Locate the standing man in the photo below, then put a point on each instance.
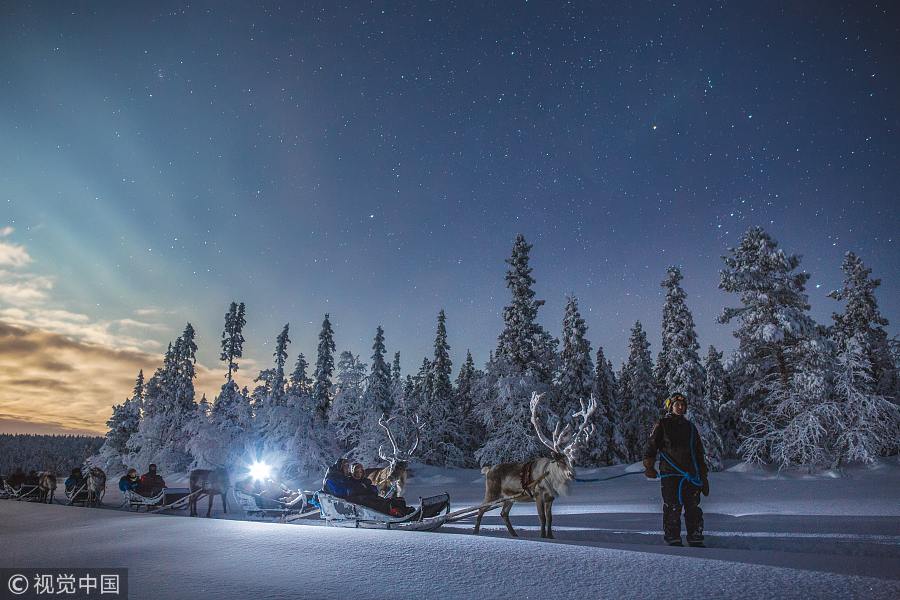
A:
(682, 472)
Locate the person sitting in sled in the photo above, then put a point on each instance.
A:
(16, 480)
(365, 493)
(74, 482)
(151, 482)
(683, 471)
(130, 481)
(338, 481)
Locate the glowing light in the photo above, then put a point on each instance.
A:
(260, 471)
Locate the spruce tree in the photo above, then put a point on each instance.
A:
(470, 427)
(639, 394)
(232, 337)
(608, 445)
(324, 368)
(442, 365)
(398, 387)
(524, 363)
(443, 438)
(863, 321)
(718, 402)
(300, 383)
(773, 324)
(280, 355)
(576, 377)
(524, 343)
(378, 392)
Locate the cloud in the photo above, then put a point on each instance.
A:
(12, 255)
(23, 289)
(28, 303)
(51, 383)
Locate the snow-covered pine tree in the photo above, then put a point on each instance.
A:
(169, 409)
(718, 401)
(867, 423)
(442, 440)
(863, 321)
(324, 368)
(470, 426)
(378, 392)
(773, 324)
(124, 422)
(680, 361)
(782, 364)
(398, 387)
(280, 354)
(575, 379)
(353, 420)
(300, 383)
(608, 444)
(639, 395)
(225, 436)
(524, 343)
(524, 363)
(232, 337)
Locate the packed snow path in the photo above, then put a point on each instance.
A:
(199, 558)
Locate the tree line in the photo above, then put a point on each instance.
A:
(793, 393)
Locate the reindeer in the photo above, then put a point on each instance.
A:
(46, 486)
(209, 482)
(95, 483)
(395, 474)
(540, 480)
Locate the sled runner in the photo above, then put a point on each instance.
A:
(257, 506)
(431, 513)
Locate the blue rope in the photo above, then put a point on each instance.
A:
(694, 479)
(607, 478)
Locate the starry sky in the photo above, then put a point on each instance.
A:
(375, 160)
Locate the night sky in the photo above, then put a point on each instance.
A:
(376, 160)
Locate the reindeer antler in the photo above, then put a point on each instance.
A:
(585, 428)
(567, 439)
(419, 426)
(384, 424)
(536, 423)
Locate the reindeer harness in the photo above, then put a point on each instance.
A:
(526, 478)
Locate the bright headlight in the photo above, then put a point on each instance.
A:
(260, 471)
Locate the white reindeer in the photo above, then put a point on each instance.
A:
(540, 480)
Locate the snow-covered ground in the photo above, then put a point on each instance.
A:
(769, 535)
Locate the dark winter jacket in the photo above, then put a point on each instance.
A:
(362, 487)
(129, 485)
(151, 484)
(336, 483)
(672, 435)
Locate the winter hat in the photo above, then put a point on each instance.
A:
(671, 400)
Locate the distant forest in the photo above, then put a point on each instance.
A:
(57, 453)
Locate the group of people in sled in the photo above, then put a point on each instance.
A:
(20, 478)
(349, 481)
(149, 484)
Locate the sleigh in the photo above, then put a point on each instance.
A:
(259, 507)
(27, 492)
(431, 513)
(176, 498)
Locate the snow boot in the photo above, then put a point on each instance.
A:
(674, 542)
(696, 544)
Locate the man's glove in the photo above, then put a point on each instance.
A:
(705, 487)
(649, 471)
